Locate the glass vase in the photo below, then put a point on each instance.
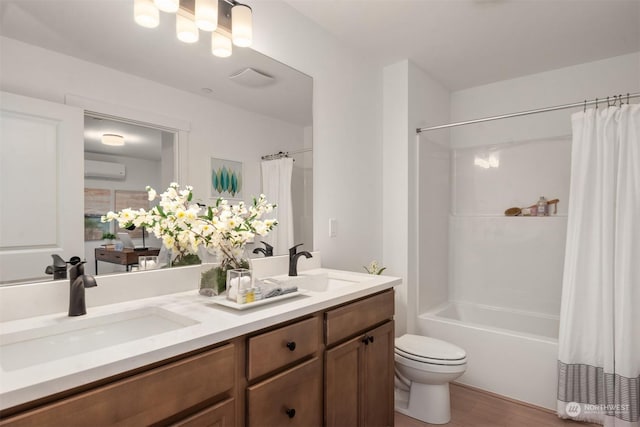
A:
(213, 280)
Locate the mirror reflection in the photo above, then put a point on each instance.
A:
(226, 118)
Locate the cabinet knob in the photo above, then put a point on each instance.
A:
(291, 345)
(370, 339)
(291, 412)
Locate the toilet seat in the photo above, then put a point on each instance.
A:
(429, 350)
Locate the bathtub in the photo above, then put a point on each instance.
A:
(511, 353)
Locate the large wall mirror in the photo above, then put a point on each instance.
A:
(243, 110)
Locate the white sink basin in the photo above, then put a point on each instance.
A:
(73, 336)
(312, 281)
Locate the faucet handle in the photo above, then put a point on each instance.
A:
(268, 248)
(294, 250)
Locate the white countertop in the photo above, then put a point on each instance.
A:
(215, 324)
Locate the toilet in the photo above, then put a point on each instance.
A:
(424, 367)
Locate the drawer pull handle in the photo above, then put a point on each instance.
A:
(291, 412)
(367, 339)
(291, 345)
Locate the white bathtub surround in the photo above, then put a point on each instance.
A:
(501, 344)
(599, 348)
(276, 184)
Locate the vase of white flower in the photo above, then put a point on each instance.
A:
(184, 226)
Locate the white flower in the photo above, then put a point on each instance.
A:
(184, 226)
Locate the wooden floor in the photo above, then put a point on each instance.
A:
(473, 408)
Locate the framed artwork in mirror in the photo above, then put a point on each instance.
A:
(226, 179)
(97, 202)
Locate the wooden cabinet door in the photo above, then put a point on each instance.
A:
(378, 373)
(343, 381)
(359, 380)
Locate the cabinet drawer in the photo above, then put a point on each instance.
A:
(220, 415)
(145, 398)
(113, 256)
(272, 350)
(292, 398)
(351, 319)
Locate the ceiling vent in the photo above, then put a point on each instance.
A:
(252, 78)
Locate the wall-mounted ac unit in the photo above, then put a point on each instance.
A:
(104, 170)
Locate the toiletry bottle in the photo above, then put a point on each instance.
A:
(542, 206)
(249, 296)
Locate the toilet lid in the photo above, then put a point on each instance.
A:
(426, 348)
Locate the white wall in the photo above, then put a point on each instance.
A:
(608, 77)
(347, 127)
(216, 129)
(412, 99)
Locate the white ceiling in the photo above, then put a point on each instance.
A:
(466, 43)
(141, 142)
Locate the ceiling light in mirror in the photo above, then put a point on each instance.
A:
(207, 14)
(146, 14)
(170, 6)
(220, 45)
(113, 139)
(186, 29)
(241, 25)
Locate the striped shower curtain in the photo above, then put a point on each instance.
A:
(599, 342)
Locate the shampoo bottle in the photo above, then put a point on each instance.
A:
(542, 206)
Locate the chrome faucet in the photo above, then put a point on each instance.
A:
(78, 281)
(294, 255)
(267, 250)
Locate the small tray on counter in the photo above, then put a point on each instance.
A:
(222, 300)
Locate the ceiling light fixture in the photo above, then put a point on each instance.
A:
(170, 6)
(146, 13)
(113, 139)
(229, 22)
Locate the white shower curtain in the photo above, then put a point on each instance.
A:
(276, 185)
(599, 342)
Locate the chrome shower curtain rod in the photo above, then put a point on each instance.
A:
(607, 100)
(282, 154)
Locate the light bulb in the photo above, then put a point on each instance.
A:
(145, 13)
(207, 14)
(220, 45)
(241, 25)
(186, 29)
(170, 6)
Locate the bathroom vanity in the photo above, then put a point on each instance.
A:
(323, 358)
